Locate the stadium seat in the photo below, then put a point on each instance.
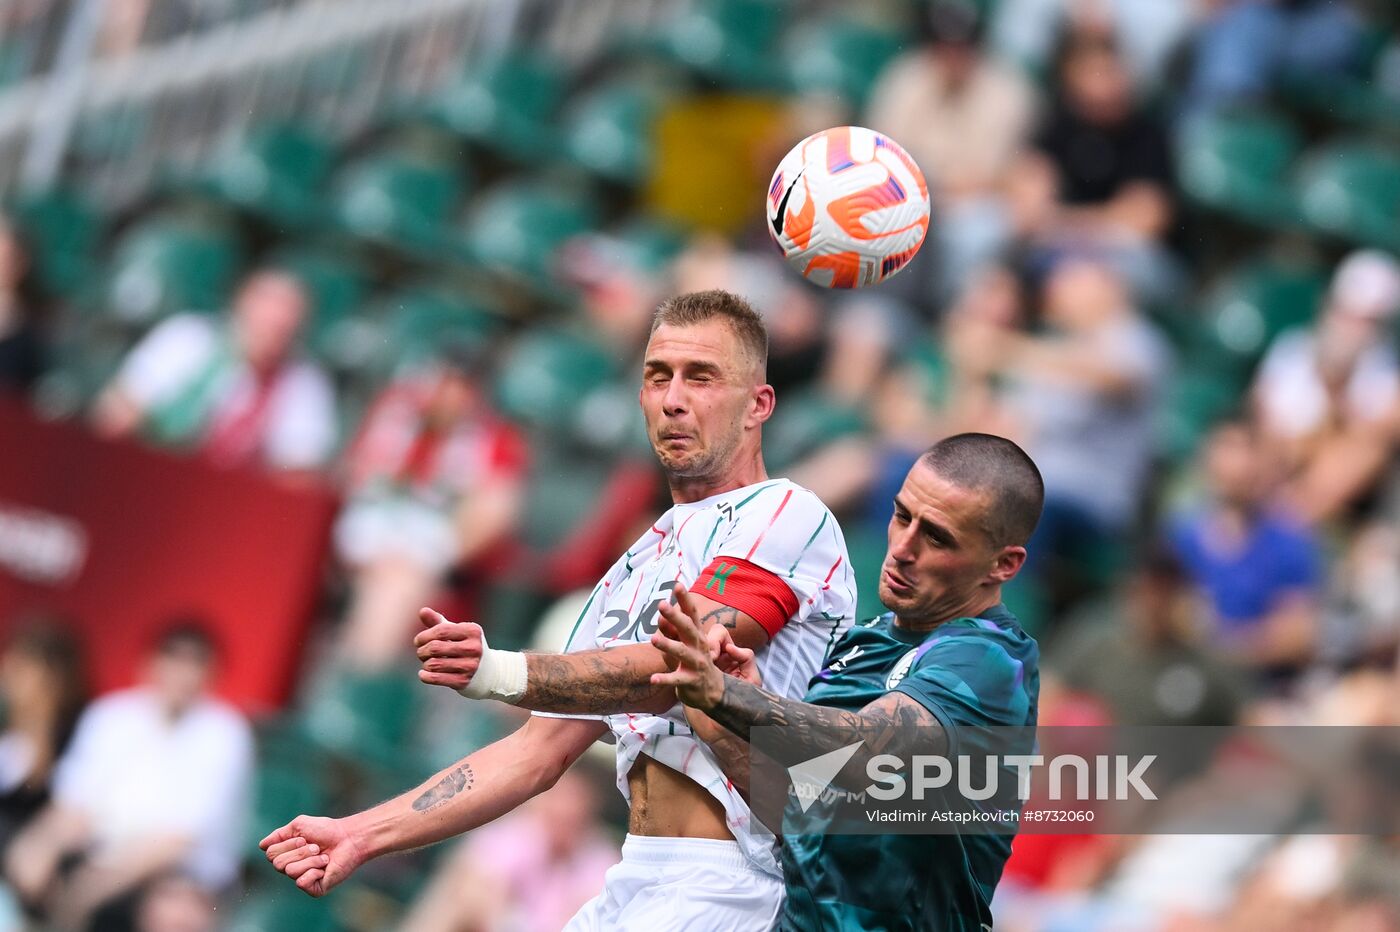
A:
(730, 42)
(62, 231)
(1256, 302)
(609, 131)
(431, 315)
(515, 228)
(1238, 163)
(1352, 190)
(367, 718)
(505, 104)
(285, 908)
(169, 264)
(400, 200)
(803, 424)
(336, 284)
(546, 376)
(837, 56)
(276, 172)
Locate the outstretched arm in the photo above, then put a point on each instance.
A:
(595, 682)
(893, 724)
(318, 853)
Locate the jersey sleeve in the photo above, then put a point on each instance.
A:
(969, 683)
(787, 532)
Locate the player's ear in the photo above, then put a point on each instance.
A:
(763, 403)
(1007, 564)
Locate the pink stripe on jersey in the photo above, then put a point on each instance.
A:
(781, 506)
(826, 583)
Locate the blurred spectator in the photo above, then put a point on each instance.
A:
(21, 346)
(797, 338)
(1138, 653)
(1099, 173)
(1261, 570)
(1148, 31)
(1327, 397)
(529, 872)
(240, 394)
(175, 903)
(435, 480)
(1082, 396)
(963, 116)
(620, 286)
(42, 688)
(156, 780)
(1242, 48)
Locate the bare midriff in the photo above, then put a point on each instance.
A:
(668, 804)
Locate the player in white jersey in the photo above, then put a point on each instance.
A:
(761, 557)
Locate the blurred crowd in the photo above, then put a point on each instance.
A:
(1237, 563)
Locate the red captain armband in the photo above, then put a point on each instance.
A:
(761, 594)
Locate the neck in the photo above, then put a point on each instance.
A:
(972, 608)
(744, 471)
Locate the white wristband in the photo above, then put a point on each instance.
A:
(501, 675)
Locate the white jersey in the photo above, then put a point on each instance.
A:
(776, 525)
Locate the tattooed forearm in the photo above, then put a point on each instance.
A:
(457, 780)
(893, 724)
(596, 682)
(724, 615)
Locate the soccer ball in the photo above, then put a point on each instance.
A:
(848, 207)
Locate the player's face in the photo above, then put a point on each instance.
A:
(941, 564)
(700, 397)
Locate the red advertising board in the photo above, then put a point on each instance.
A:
(125, 540)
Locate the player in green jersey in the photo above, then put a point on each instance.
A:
(928, 677)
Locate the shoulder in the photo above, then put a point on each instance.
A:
(186, 330)
(223, 719)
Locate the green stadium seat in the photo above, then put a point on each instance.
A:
(169, 264)
(428, 316)
(546, 376)
(1352, 190)
(401, 200)
(337, 286)
(285, 908)
(506, 104)
(1238, 164)
(367, 718)
(62, 230)
(609, 131)
(1256, 302)
(516, 228)
(731, 42)
(276, 172)
(804, 424)
(837, 56)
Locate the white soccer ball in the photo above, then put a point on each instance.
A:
(848, 207)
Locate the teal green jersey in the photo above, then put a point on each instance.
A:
(970, 673)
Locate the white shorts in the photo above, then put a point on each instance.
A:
(410, 530)
(674, 884)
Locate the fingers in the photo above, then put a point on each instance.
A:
(310, 882)
(449, 631)
(429, 617)
(293, 854)
(276, 836)
(282, 847)
(683, 623)
(737, 653)
(297, 869)
(677, 677)
(450, 680)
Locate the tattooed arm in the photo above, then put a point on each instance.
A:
(593, 682)
(318, 853)
(893, 724)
